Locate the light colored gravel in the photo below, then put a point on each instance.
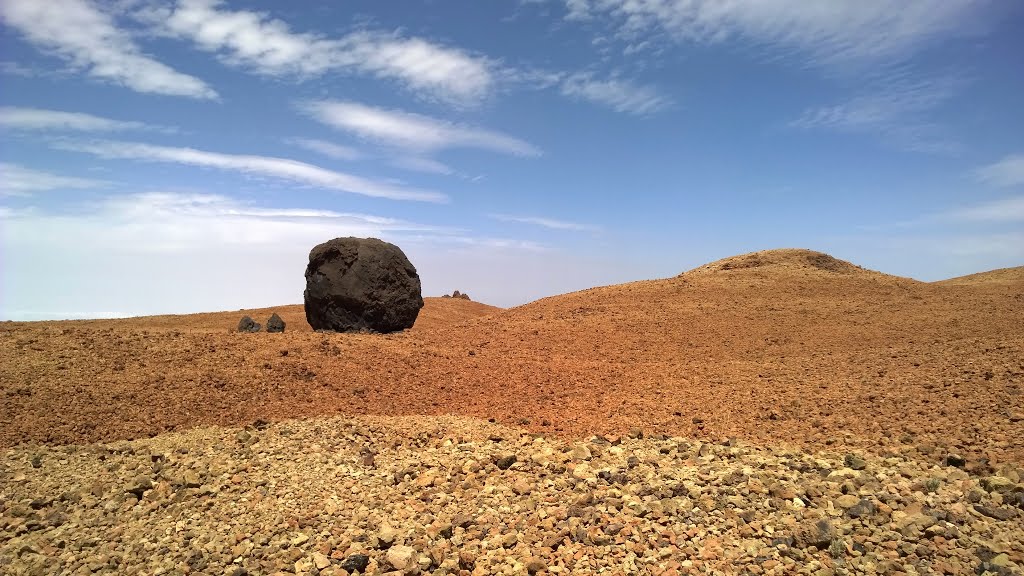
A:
(459, 496)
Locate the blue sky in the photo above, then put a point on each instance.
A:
(185, 155)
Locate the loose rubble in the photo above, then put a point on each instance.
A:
(452, 495)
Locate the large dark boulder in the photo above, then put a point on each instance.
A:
(355, 284)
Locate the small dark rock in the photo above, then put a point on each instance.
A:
(1015, 499)
(247, 324)
(355, 563)
(956, 460)
(275, 324)
(855, 462)
(997, 513)
(862, 509)
(505, 462)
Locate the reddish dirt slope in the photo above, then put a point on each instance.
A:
(1002, 276)
(786, 346)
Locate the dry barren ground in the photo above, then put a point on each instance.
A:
(443, 495)
(811, 360)
(784, 346)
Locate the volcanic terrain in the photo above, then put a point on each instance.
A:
(788, 346)
(771, 413)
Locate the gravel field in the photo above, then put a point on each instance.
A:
(453, 495)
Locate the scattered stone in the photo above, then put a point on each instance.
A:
(956, 461)
(997, 513)
(355, 563)
(402, 558)
(386, 536)
(247, 324)
(505, 462)
(847, 501)
(535, 565)
(819, 534)
(855, 462)
(355, 284)
(862, 509)
(997, 484)
(275, 324)
(139, 485)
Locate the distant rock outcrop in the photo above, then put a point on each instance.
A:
(456, 294)
(247, 324)
(275, 323)
(355, 284)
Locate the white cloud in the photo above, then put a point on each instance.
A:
(1002, 210)
(1007, 172)
(616, 93)
(16, 180)
(413, 131)
(329, 149)
(896, 108)
(79, 32)
(837, 31)
(426, 165)
(225, 254)
(17, 118)
(282, 168)
(545, 222)
(265, 45)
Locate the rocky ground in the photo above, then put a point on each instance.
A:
(775, 413)
(460, 496)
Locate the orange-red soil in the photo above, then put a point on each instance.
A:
(784, 346)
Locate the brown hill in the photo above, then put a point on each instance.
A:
(789, 346)
(1002, 276)
(781, 261)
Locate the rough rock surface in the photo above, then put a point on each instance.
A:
(361, 284)
(303, 498)
(456, 294)
(275, 323)
(247, 324)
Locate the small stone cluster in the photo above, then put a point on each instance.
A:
(456, 294)
(274, 324)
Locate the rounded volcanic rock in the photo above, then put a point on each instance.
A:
(357, 284)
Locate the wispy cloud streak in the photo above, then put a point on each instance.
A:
(281, 168)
